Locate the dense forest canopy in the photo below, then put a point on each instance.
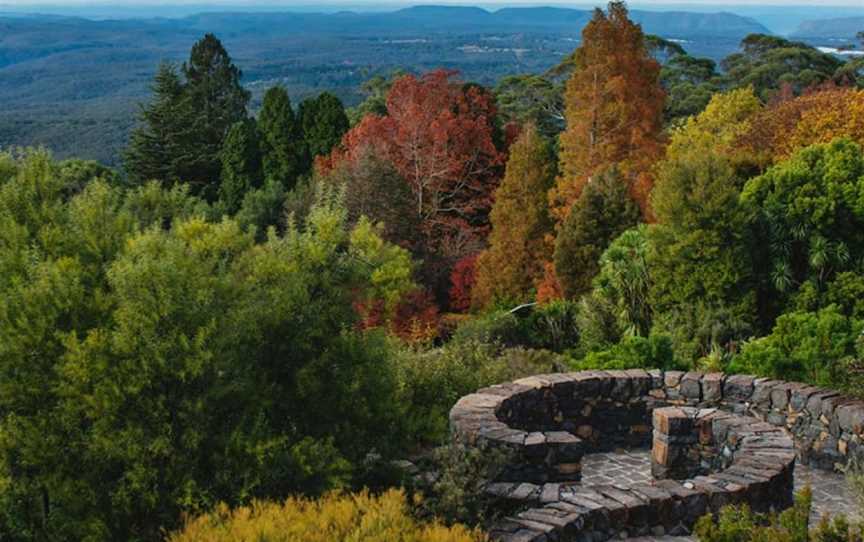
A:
(273, 304)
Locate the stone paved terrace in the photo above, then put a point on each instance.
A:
(717, 439)
(630, 467)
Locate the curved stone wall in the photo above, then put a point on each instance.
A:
(549, 422)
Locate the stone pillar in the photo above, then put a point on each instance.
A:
(675, 451)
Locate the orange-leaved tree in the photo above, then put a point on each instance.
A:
(819, 116)
(614, 110)
(508, 270)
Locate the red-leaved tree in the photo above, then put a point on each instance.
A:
(462, 280)
(438, 133)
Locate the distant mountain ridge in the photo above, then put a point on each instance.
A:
(449, 18)
(843, 27)
(28, 38)
(73, 83)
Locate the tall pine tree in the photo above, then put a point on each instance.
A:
(241, 164)
(183, 128)
(509, 268)
(217, 101)
(324, 122)
(282, 147)
(154, 145)
(614, 109)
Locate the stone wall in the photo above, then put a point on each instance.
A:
(691, 442)
(549, 422)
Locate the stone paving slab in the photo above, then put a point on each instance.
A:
(831, 495)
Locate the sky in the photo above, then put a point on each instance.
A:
(307, 3)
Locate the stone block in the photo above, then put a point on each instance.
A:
(780, 396)
(712, 387)
(691, 386)
(738, 388)
(672, 379)
(850, 416)
(672, 421)
(800, 397)
(814, 402)
(762, 388)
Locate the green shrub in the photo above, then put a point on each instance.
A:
(740, 524)
(653, 352)
(551, 326)
(499, 327)
(432, 381)
(813, 347)
(155, 363)
(554, 326)
(618, 303)
(461, 474)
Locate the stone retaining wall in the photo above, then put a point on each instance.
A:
(550, 421)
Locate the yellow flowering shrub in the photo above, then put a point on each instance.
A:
(334, 517)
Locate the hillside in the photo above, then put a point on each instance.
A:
(61, 74)
(842, 28)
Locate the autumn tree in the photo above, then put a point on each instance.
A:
(719, 129)
(283, 149)
(614, 109)
(513, 263)
(438, 134)
(462, 281)
(603, 211)
(819, 116)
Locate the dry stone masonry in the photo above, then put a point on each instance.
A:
(715, 440)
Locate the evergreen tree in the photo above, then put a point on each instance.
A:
(603, 212)
(214, 96)
(702, 287)
(324, 122)
(283, 150)
(512, 264)
(153, 147)
(241, 164)
(183, 128)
